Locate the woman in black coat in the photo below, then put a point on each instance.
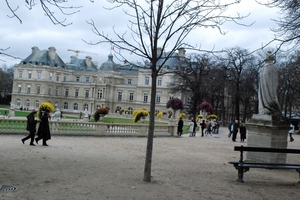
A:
(243, 132)
(31, 127)
(180, 127)
(44, 130)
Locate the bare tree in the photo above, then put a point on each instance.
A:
(237, 61)
(189, 78)
(162, 24)
(6, 83)
(51, 9)
(288, 32)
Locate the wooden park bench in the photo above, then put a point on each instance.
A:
(242, 166)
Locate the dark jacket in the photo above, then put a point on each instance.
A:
(243, 129)
(44, 130)
(31, 123)
(180, 126)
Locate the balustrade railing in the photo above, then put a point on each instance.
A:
(73, 128)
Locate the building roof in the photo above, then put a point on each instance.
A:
(81, 64)
(44, 57)
(173, 61)
(110, 64)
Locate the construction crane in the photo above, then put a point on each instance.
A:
(78, 51)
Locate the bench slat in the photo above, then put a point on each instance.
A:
(264, 149)
(267, 166)
(243, 167)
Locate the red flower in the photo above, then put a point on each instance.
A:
(175, 104)
(205, 106)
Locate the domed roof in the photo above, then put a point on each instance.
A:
(109, 64)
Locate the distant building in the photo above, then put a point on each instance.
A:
(79, 85)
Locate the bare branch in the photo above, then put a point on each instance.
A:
(48, 7)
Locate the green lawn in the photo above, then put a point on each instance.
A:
(127, 120)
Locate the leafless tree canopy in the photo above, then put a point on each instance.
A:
(288, 32)
(50, 7)
(164, 24)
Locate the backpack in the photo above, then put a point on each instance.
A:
(204, 125)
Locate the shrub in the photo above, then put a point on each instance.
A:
(181, 115)
(103, 111)
(212, 116)
(199, 117)
(45, 106)
(138, 114)
(175, 104)
(160, 114)
(205, 106)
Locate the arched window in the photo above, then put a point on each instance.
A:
(37, 103)
(27, 105)
(130, 111)
(65, 105)
(18, 102)
(56, 104)
(75, 107)
(85, 107)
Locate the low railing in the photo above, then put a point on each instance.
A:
(77, 128)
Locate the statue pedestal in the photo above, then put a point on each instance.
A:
(12, 112)
(264, 132)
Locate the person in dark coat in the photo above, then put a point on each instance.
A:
(203, 126)
(44, 130)
(243, 132)
(235, 130)
(194, 129)
(31, 127)
(180, 127)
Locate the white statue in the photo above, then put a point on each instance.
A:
(267, 93)
(86, 113)
(56, 115)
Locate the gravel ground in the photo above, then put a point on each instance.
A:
(91, 168)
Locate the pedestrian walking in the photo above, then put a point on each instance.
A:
(203, 126)
(243, 132)
(194, 129)
(291, 131)
(44, 130)
(191, 127)
(235, 130)
(180, 127)
(230, 128)
(31, 127)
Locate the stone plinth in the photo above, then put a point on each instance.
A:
(264, 132)
(12, 112)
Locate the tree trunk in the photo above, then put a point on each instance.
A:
(148, 161)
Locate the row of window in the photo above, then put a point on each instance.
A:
(39, 76)
(87, 78)
(65, 106)
(159, 81)
(100, 93)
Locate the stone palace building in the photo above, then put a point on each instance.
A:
(80, 85)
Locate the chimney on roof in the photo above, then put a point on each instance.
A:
(52, 52)
(181, 54)
(72, 58)
(88, 61)
(34, 49)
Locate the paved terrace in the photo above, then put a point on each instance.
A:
(92, 168)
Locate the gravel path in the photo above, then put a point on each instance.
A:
(90, 168)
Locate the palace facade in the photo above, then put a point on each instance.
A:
(80, 85)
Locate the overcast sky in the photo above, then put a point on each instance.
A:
(38, 30)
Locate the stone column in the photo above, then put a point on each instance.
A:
(264, 132)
